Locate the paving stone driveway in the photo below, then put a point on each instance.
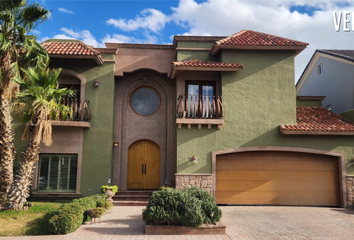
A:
(242, 223)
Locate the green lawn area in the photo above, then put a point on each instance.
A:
(31, 222)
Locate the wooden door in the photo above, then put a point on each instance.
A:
(277, 178)
(144, 165)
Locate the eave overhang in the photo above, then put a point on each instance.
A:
(287, 132)
(98, 59)
(177, 69)
(215, 49)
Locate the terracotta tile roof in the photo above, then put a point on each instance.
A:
(318, 120)
(253, 38)
(198, 63)
(248, 39)
(72, 49)
(69, 48)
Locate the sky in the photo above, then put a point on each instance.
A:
(156, 22)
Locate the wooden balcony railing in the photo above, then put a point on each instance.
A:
(200, 107)
(80, 109)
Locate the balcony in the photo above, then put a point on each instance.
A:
(81, 114)
(199, 110)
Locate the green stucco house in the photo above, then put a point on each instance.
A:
(220, 113)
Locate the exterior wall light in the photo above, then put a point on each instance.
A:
(97, 82)
(115, 143)
(212, 217)
(195, 159)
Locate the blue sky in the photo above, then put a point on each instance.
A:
(142, 21)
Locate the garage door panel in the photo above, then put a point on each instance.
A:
(277, 178)
(277, 165)
(276, 186)
(227, 175)
(278, 198)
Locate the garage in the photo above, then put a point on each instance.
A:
(277, 178)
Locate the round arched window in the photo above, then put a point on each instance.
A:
(145, 101)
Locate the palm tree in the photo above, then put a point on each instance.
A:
(17, 50)
(39, 102)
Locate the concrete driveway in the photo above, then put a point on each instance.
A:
(241, 223)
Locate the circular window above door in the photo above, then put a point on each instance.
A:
(145, 101)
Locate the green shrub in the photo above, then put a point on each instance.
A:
(96, 212)
(105, 204)
(66, 219)
(71, 215)
(163, 208)
(165, 188)
(207, 203)
(114, 188)
(187, 207)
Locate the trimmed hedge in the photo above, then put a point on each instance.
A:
(187, 207)
(105, 204)
(70, 216)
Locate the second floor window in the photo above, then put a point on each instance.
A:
(200, 99)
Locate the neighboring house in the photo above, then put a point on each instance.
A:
(330, 73)
(215, 112)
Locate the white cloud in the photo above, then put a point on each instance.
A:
(65, 10)
(43, 39)
(117, 38)
(34, 31)
(84, 36)
(70, 32)
(62, 36)
(149, 19)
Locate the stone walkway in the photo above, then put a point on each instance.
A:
(242, 222)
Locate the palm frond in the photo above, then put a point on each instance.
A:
(11, 4)
(40, 98)
(7, 16)
(32, 15)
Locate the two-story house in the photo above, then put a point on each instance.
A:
(216, 112)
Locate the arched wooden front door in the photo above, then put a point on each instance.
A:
(144, 165)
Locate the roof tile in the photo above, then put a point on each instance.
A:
(69, 48)
(318, 120)
(253, 38)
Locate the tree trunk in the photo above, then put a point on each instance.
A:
(7, 149)
(23, 180)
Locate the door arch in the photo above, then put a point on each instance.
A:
(143, 165)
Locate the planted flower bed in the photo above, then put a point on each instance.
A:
(190, 207)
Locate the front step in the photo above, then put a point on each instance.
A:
(132, 198)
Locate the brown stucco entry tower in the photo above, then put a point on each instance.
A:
(138, 68)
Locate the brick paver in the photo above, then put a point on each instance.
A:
(242, 222)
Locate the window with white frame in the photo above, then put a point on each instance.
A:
(57, 173)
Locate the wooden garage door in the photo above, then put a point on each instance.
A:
(277, 178)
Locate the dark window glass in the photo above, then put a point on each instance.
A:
(57, 173)
(145, 101)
